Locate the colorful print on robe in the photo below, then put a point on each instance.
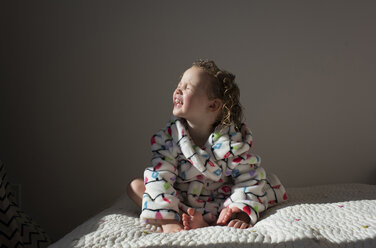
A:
(222, 173)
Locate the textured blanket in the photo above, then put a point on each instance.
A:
(319, 216)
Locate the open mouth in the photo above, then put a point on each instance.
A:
(177, 102)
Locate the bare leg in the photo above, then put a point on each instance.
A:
(135, 190)
(193, 220)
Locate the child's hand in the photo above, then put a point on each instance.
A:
(172, 227)
(238, 224)
(240, 220)
(240, 215)
(233, 217)
(224, 216)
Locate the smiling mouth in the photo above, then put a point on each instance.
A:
(177, 101)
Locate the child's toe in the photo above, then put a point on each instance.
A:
(191, 211)
(185, 217)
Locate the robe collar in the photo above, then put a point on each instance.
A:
(224, 144)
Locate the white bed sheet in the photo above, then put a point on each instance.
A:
(320, 216)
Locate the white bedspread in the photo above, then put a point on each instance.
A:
(320, 216)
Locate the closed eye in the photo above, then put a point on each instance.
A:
(184, 86)
(188, 86)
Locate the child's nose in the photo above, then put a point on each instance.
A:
(178, 91)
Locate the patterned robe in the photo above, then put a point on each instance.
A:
(222, 173)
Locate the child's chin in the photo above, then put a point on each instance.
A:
(176, 112)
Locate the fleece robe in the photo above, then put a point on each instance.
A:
(222, 173)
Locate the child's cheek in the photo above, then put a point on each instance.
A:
(187, 101)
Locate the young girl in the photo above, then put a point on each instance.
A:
(203, 172)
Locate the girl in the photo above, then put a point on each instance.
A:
(203, 172)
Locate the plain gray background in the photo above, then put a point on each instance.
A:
(84, 85)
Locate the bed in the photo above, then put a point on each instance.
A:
(340, 215)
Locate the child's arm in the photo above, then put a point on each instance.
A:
(248, 193)
(252, 192)
(160, 200)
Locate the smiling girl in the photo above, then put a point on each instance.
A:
(203, 172)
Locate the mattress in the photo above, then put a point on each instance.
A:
(319, 216)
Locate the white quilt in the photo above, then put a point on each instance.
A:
(320, 216)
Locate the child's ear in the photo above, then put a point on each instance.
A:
(215, 105)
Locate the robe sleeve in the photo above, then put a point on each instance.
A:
(252, 192)
(160, 199)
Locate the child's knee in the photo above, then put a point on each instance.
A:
(136, 186)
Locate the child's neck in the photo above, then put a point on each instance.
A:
(199, 132)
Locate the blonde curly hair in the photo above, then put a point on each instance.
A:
(223, 87)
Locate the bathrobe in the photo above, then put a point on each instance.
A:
(222, 173)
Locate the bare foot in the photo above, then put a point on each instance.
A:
(172, 228)
(193, 220)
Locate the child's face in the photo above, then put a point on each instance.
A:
(190, 98)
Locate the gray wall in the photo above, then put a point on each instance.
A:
(84, 84)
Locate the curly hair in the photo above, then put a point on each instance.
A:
(223, 86)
